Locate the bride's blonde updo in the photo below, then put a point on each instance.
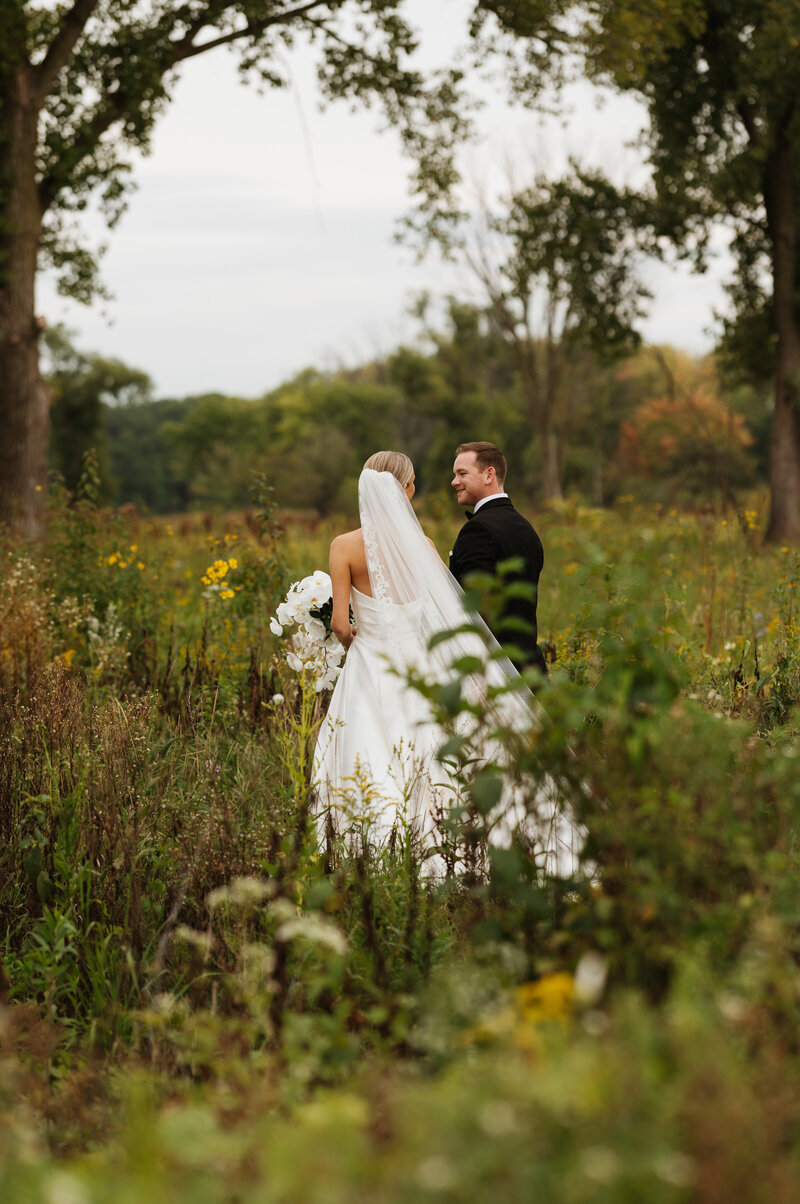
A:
(397, 463)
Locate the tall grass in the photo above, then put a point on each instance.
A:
(200, 1001)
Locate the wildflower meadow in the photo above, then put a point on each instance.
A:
(199, 1001)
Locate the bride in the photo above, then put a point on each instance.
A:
(375, 762)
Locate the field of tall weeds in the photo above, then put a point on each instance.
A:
(199, 1000)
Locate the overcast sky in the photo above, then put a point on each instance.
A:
(260, 239)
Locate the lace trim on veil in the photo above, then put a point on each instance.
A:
(377, 577)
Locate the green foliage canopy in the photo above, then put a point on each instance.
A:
(81, 386)
(720, 80)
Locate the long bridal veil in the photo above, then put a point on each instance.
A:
(405, 568)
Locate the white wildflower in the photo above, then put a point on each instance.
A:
(590, 977)
(314, 928)
(202, 941)
(65, 1188)
(435, 1173)
(242, 892)
(599, 1163)
(676, 1168)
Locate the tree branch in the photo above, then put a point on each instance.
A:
(62, 46)
(748, 117)
(371, 59)
(187, 49)
(83, 145)
(669, 376)
(116, 103)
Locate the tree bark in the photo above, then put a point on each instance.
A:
(546, 438)
(551, 440)
(541, 397)
(784, 471)
(598, 487)
(24, 400)
(551, 465)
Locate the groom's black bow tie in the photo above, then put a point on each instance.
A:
(468, 514)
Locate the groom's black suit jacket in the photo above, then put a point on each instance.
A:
(497, 532)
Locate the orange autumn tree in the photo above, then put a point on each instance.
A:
(693, 445)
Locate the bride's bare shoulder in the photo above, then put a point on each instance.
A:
(348, 541)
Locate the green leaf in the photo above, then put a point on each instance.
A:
(32, 863)
(507, 568)
(468, 664)
(449, 696)
(485, 791)
(441, 636)
(44, 887)
(451, 747)
(520, 589)
(319, 893)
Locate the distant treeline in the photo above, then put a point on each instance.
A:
(659, 424)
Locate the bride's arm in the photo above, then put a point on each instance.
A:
(340, 583)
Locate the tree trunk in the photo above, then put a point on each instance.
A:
(539, 399)
(551, 465)
(546, 438)
(598, 490)
(784, 470)
(552, 460)
(24, 408)
(784, 467)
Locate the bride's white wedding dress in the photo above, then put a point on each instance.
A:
(375, 762)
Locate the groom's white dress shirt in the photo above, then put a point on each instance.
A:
(476, 508)
(492, 497)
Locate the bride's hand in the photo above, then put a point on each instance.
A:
(346, 636)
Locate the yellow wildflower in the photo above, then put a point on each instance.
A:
(535, 1004)
(548, 998)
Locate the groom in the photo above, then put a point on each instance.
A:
(493, 533)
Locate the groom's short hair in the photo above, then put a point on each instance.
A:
(487, 455)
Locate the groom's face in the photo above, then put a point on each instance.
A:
(470, 482)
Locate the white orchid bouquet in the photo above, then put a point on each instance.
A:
(312, 645)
